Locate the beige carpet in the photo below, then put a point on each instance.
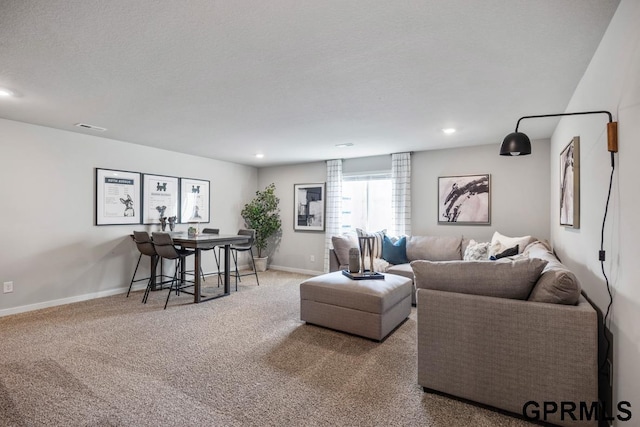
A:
(245, 359)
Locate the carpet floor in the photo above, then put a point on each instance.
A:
(242, 360)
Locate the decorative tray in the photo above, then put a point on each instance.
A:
(367, 275)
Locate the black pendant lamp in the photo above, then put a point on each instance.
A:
(519, 144)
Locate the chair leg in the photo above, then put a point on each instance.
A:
(254, 266)
(154, 262)
(175, 276)
(235, 261)
(134, 274)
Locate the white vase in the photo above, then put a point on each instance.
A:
(261, 263)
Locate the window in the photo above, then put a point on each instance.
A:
(366, 202)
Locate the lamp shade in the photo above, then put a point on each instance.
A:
(515, 144)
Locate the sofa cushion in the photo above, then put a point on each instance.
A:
(513, 279)
(557, 284)
(506, 253)
(377, 242)
(476, 251)
(395, 252)
(434, 248)
(500, 243)
(404, 270)
(342, 244)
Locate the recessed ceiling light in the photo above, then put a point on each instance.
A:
(5, 93)
(259, 156)
(90, 127)
(449, 131)
(346, 144)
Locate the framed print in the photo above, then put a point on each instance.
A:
(570, 184)
(464, 199)
(308, 201)
(117, 197)
(194, 200)
(160, 197)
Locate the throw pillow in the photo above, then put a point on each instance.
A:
(513, 279)
(500, 243)
(395, 253)
(377, 242)
(506, 253)
(476, 251)
(342, 244)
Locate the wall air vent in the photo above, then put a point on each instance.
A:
(86, 126)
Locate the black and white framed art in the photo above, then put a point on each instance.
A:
(194, 200)
(309, 207)
(570, 184)
(464, 199)
(117, 197)
(161, 197)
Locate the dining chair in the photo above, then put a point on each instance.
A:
(243, 248)
(215, 255)
(145, 247)
(165, 248)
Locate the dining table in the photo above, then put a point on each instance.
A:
(203, 241)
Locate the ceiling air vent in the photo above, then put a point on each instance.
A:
(86, 126)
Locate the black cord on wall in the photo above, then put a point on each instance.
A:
(602, 259)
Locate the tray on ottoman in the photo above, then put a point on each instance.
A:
(367, 275)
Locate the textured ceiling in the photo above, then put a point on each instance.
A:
(293, 78)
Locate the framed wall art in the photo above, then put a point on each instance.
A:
(570, 184)
(309, 207)
(161, 197)
(194, 200)
(117, 197)
(464, 199)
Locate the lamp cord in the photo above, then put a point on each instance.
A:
(604, 220)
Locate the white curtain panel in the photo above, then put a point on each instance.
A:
(333, 207)
(401, 194)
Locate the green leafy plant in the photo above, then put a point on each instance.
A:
(263, 215)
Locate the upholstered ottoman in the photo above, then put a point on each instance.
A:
(369, 308)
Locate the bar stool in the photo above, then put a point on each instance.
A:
(243, 248)
(165, 248)
(215, 255)
(145, 247)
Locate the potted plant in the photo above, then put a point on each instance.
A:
(263, 215)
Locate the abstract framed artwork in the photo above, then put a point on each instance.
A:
(161, 195)
(194, 200)
(464, 200)
(309, 207)
(117, 197)
(570, 184)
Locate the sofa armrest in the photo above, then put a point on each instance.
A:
(504, 353)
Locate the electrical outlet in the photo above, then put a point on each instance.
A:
(312, 258)
(8, 287)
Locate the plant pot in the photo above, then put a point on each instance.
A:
(261, 263)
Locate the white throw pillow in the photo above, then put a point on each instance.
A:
(476, 251)
(500, 243)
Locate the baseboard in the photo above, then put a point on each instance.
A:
(70, 300)
(295, 270)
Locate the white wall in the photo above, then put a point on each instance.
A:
(50, 248)
(296, 248)
(610, 83)
(519, 188)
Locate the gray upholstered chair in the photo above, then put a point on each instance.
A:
(244, 248)
(165, 248)
(145, 247)
(215, 255)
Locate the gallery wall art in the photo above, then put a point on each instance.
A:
(570, 184)
(464, 199)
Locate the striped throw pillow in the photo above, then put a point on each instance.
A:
(377, 242)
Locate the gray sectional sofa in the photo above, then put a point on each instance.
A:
(501, 333)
